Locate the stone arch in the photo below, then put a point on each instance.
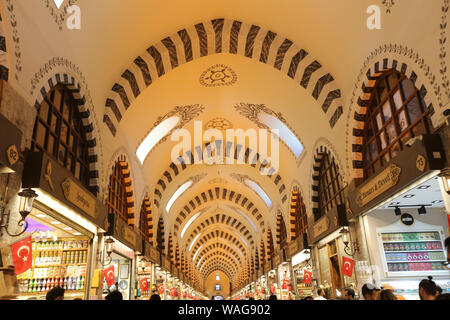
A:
(146, 215)
(297, 205)
(223, 36)
(92, 134)
(160, 235)
(281, 231)
(221, 194)
(240, 152)
(367, 90)
(222, 234)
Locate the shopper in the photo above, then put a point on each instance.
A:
(155, 296)
(308, 298)
(56, 293)
(320, 294)
(370, 292)
(445, 296)
(427, 289)
(114, 295)
(387, 294)
(273, 297)
(349, 294)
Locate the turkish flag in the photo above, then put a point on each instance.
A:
(144, 284)
(272, 288)
(184, 294)
(285, 284)
(22, 255)
(347, 266)
(307, 277)
(109, 276)
(172, 292)
(161, 288)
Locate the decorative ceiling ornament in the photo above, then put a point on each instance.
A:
(219, 124)
(58, 10)
(239, 177)
(186, 114)
(218, 75)
(251, 111)
(388, 4)
(198, 178)
(218, 181)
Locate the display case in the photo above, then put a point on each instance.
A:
(418, 252)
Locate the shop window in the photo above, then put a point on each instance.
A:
(299, 223)
(396, 113)
(330, 186)
(117, 196)
(59, 131)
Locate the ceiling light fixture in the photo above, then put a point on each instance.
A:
(397, 211)
(422, 211)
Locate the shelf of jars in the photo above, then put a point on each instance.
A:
(56, 263)
(409, 253)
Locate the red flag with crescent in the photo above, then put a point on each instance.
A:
(161, 288)
(109, 276)
(285, 284)
(307, 277)
(172, 292)
(22, 255)
(144, 284)
(347, 266)
(272, 288)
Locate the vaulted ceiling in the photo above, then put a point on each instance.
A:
(220, 63)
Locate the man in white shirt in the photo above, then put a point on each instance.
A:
(320, 295)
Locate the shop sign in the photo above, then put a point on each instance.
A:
(381, 183)
(407, 219)
(421, 163)
(77, 196)
(321, 226)
(9, 144)
(293, 248)
(129, 235)
(154, 255)
(42, 172)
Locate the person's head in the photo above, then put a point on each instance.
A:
(56, 293)
(370, 292)
(251, 298)
(273, 297)
(155, 297)
(445, 296)
(308, 298)
(427, 289)
(349, 294)
(387, 294)
(320, 292)
(114, 295)
(77, 299)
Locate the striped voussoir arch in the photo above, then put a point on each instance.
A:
(218, 264)
(80, 99)
(281, 230)
(367, 91)
(270, 247)
(128, 182)
(320, 152)
(177, 257)
(216, 236)
(262, 249)
(257, 261)
(170, 249)
(246, 155)
(4, 65)
(146, 213)
(160, 236)
(223, 36)
(298, 215)
(228, 253)
(218, 194)
(218, 219)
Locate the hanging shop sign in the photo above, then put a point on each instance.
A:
(9, 146)
(43, 172)
(268, 266)
(407, 219)
(410, 164)
(327, 224)
(166, 264)
(152, 253)
(121, 231)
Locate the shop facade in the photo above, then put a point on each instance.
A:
(65, 225)
(403, 221)
(300, 259)
(126, 248)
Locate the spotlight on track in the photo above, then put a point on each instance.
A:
(397, 211)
